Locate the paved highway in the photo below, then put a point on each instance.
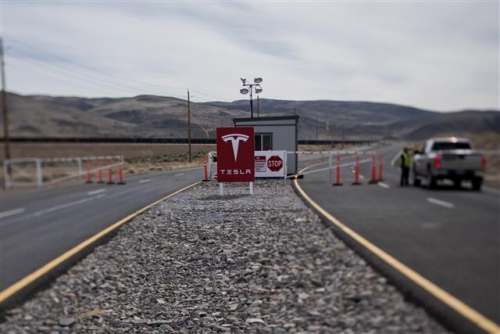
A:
(449, 236)
(38, 226)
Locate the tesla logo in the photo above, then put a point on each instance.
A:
(235, 139)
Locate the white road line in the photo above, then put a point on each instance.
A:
(95, 192)
(121, 193)
(50, 210)
(62, 206)
(179, 174)
(361, 177)
(11, 212)
(383, 185)
(439, 202)
(144, 181)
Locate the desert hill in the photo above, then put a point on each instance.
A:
(149, 116)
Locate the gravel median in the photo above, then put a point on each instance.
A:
(204, 263)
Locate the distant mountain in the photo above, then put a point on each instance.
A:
(149, 116)
(368, 120)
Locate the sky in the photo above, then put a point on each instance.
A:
(441, 56)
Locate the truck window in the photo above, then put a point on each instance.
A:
(444, 146)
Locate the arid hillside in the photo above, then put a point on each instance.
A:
(149, 116)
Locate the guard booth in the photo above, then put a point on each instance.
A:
(275, 134)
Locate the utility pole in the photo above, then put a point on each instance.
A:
(343, 137)
(4, 105)
(317, 128)
(189, 127)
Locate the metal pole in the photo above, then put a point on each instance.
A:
(251, 101)
(6, 175)
(189, 128)
(4, 105)
(39, 178)
(258, 107)
(80, 170)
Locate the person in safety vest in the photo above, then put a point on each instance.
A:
(404, 163)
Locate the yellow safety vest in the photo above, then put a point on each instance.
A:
(405, 160)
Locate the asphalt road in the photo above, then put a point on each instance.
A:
(449, 236)
(38, 226)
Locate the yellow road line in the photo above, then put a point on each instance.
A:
(21, 284)
(454, 303)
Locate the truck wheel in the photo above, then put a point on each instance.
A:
(414, 178)
(431, 180)
(476, 184)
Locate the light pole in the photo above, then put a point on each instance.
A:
(253, 86)
(4, 104)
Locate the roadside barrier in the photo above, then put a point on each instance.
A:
(40, 172)
(356, 172)
(337, 172)
(99, 172)
(381, 168)
(89, 172)
(373, 179)
(338, 159)
(110, 174)
(120, 173)
(100, 168)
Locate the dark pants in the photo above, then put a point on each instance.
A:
(405, 173)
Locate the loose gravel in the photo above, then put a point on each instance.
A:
(204, 263)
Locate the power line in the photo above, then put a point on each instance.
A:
(68, 76)
(215, 97)
(28, 48)
(86, 76)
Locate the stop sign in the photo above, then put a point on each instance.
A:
(274, 163)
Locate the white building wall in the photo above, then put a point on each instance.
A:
(284, 134)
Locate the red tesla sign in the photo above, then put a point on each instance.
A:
(235, 154)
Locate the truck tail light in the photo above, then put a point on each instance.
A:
(437, 161)
(484, 161)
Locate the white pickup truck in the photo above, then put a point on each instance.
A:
(449, 158)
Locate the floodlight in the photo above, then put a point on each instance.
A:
(257, 80)
(258, 89)
(243, 80)
(244, 91)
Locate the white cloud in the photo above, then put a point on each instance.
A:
(441, 56)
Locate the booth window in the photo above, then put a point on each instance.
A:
(263, 141)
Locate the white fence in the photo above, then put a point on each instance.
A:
(38, 172)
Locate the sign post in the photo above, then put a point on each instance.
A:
(235, 156)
